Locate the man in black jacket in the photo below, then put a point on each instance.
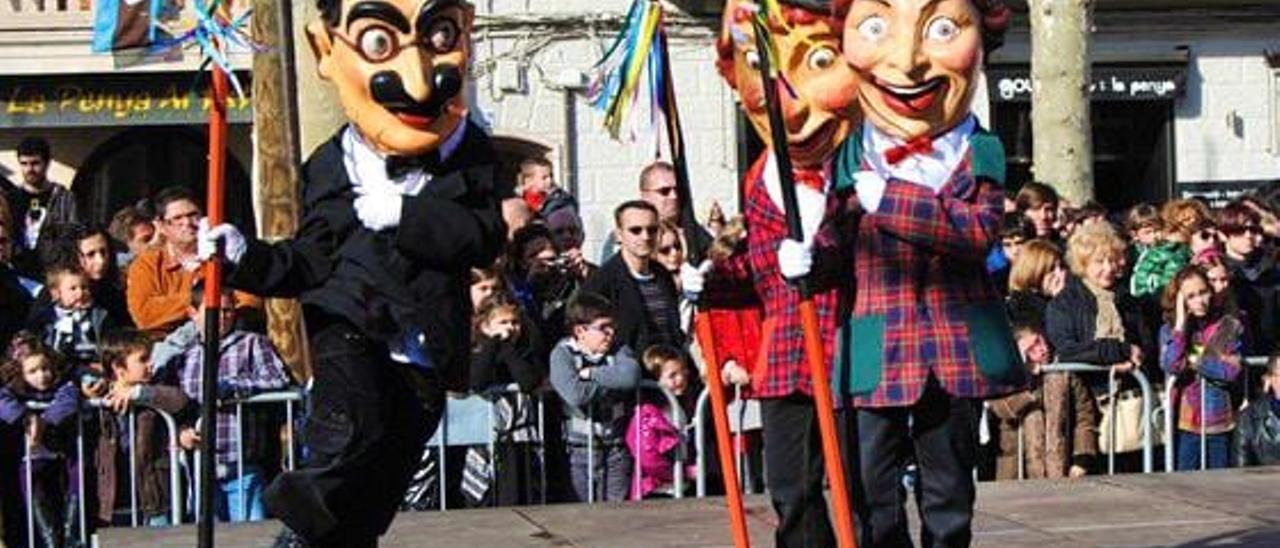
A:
(648, 307)
(397, 207)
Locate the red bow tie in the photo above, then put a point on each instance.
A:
(920, 145)
(812, 178)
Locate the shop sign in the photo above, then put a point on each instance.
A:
(134, 100)
(1110, 83)
(1218, 193)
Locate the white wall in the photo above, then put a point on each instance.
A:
(607, 170)
(1228, 80)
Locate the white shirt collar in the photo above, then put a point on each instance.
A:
(367, 166)
(933, 169)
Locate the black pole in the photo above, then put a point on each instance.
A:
(208, 412)
(675, 138)
(778, 134)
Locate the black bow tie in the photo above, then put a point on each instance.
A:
(398, 166)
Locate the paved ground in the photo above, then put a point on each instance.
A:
(1228, 508)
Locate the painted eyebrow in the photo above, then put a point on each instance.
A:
(432, 8)
(381, 11)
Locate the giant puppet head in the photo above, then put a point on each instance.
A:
(917, 60)
(821, 113)
(398, 67)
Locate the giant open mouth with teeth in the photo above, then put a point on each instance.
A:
(911, 100)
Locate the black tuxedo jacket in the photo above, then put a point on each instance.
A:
(390, 282)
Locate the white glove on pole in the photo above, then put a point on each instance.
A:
(795, 258)
(233, 242)
(378, 208)
(693, 280)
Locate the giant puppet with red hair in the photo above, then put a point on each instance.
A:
(928, 335)
(818, 97)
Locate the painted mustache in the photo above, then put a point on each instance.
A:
(388, 90)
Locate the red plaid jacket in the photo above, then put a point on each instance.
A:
(924, 304)
(780, 368)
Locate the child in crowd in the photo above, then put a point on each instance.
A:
(536, 183)
(652, 438)
(72, 324)
(1057, 416)
(1144, 226)
(1200, 349)
(1258, 434)
(35, 373)
(247, 364)
(1157, 265)
(485, 282)
(1015, 230)
(127, 355)
(596, 379)
(502, 354)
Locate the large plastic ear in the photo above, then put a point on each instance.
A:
(321, 47)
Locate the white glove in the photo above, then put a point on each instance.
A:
(870, 188)
(378, 208)
(694, 280)
(795, 258)
(233, 242)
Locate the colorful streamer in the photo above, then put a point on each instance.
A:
(634, 62)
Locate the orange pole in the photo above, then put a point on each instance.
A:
(724, 447)
(212, 303)
(822, 400)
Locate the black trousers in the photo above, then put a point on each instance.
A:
(794, 470)
(368, 421)
(939, 432)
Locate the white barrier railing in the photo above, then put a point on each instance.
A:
(679, 421)
(174, 472)
(1147, 398)
(1170, 419)
(287, 397)
(744, 415)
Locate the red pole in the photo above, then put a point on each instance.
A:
(815, 354)
(720, 416)
(212, 304)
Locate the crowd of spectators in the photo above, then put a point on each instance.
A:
(1178, 291)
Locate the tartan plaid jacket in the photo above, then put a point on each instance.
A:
(924, 304)
(780, 368)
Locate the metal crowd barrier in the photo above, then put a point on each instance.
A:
(678, 419)
(175, 502)
(288, 398)
(472, 417)
(1170, 412)
(1147, 399)
(744, 416)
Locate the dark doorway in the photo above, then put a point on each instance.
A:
(138, 163)
(511, 151)
(1132, 149)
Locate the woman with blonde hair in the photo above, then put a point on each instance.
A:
(1092, 320)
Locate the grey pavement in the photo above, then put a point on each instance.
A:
(1219, 508)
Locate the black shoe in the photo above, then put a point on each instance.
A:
(289, 539)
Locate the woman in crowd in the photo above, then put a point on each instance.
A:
(92, 249)
(1092, 320)
(1200, 349)
(1038, 202)
(1037, 275)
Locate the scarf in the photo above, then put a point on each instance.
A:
(1108, 323)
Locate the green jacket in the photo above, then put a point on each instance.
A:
(1156, 266)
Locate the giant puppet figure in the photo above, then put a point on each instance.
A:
(397, 206)
(818, 107)
(928, 335)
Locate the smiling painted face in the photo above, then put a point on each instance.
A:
(824, 107)
(916, 61)
(398, 67)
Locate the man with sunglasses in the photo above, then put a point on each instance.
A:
(1255, 272)
(397, 207)
(648, 307)
(658, 188)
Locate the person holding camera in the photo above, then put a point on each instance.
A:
(542, 278)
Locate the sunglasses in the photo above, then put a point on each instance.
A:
(664, 191)
(1205, 234)
(637, 230)
(667, 250)
(1252, 230)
